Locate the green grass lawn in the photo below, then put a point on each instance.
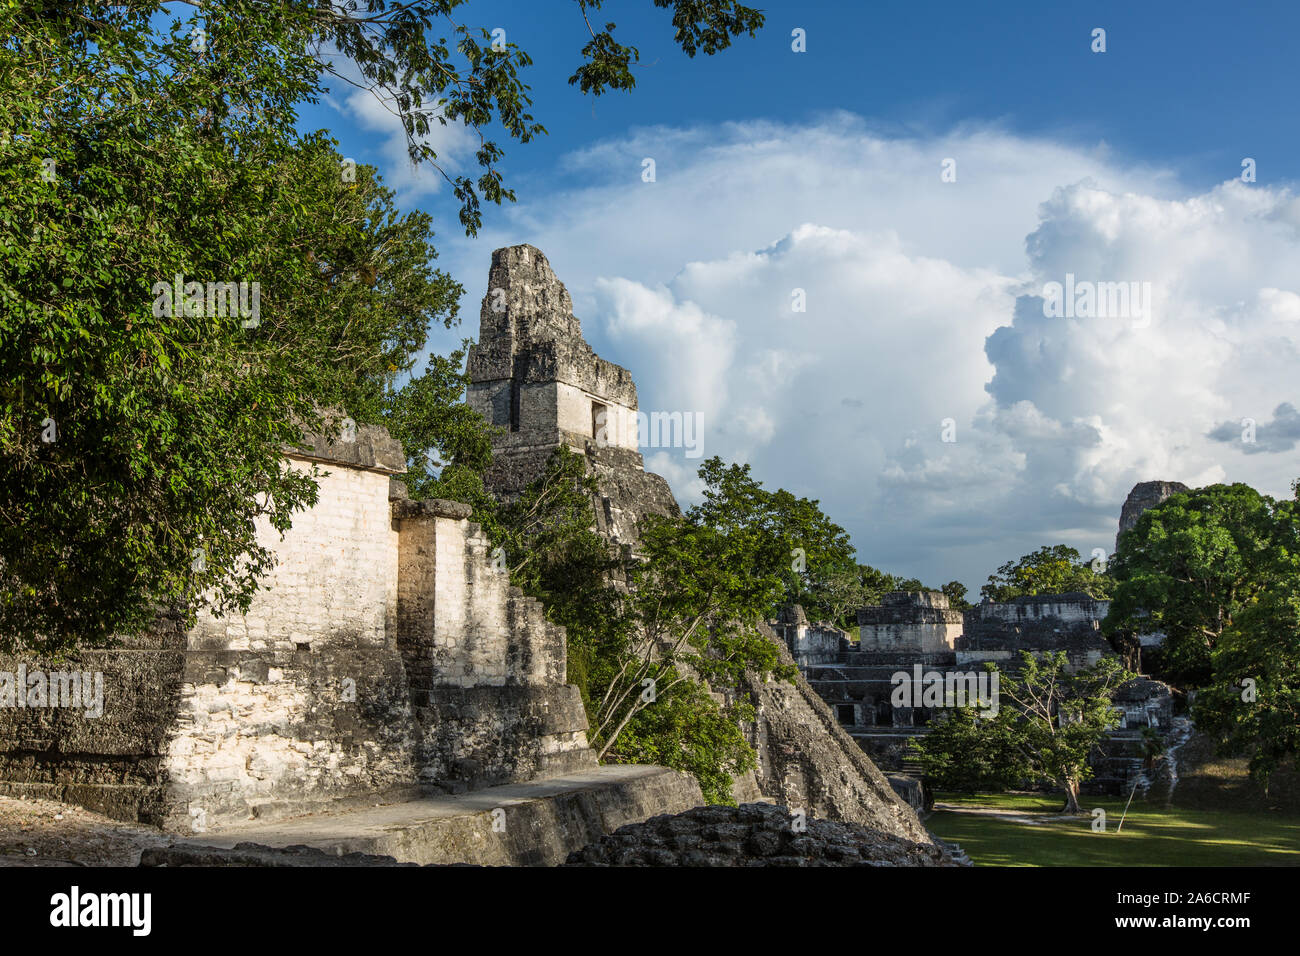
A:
(1152, 836)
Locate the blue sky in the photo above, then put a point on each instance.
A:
(1195, 83)
(820, 170)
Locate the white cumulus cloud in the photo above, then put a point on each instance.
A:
(923, 305)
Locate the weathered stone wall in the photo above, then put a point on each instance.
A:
(531, 824)
(755, 835)
(303, 700)
(1145, 494)
(300, 701)
(534, 375)
(807, 761)
(809, 644)
(1036, 623)
(910, 621)
(487, 669)
(1144, 703)
(385, 651)
(627, 493)
(112, 763)
(1033, 608)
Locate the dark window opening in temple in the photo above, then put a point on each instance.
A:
(884, 714)
(845, 714)
(599, 420)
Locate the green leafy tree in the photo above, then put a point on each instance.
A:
(969, 752)
(1048, 722)
(1252, 705)
(837, 594)
(1052, 569)
(556, 556)
(448, 445)
(652, 638)
(699, 25)
(688, 730)
(142, 432)
(785, 536)
(696, 602)
(140, 450)
(956, 592)
(1191, 566)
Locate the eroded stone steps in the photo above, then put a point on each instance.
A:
(537, 823)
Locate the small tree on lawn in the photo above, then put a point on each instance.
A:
(1048, 721)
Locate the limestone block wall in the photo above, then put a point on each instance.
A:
(384, 654)
(302, 701)
(1065, 608)
(336, 568)
(595, 417)
(112, 763)
(1036, 623)
(536, 416)
(462, 623)
(812, 644)
(487, 670)
(910, 621)
(304, 698)
(924, 637)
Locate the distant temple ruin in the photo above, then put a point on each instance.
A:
(1146, 494)
(534, 375)
(915, 632)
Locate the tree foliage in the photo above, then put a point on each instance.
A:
(956, 593)
(1048, 722)
(1252, 704)
(788, 538)
(699, 26)
(652, 637)
(1217, 570)
(448, 445)
(141, 433)
(141, 450)
(1192, 564)
(1051, 569)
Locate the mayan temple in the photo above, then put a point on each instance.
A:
(533, 374)
(389, 690)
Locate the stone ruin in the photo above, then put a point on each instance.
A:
(1069, 622)
(916, 630)
(385, 655)
(756, 834)
(909, 621)
(533, 374)
(387, 660)
(809, 644)
(1144, 495)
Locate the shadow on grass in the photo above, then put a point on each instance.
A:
(1152, 835)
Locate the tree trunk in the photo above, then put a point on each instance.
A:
(1071, 788)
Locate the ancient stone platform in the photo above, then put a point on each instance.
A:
(536, 823)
